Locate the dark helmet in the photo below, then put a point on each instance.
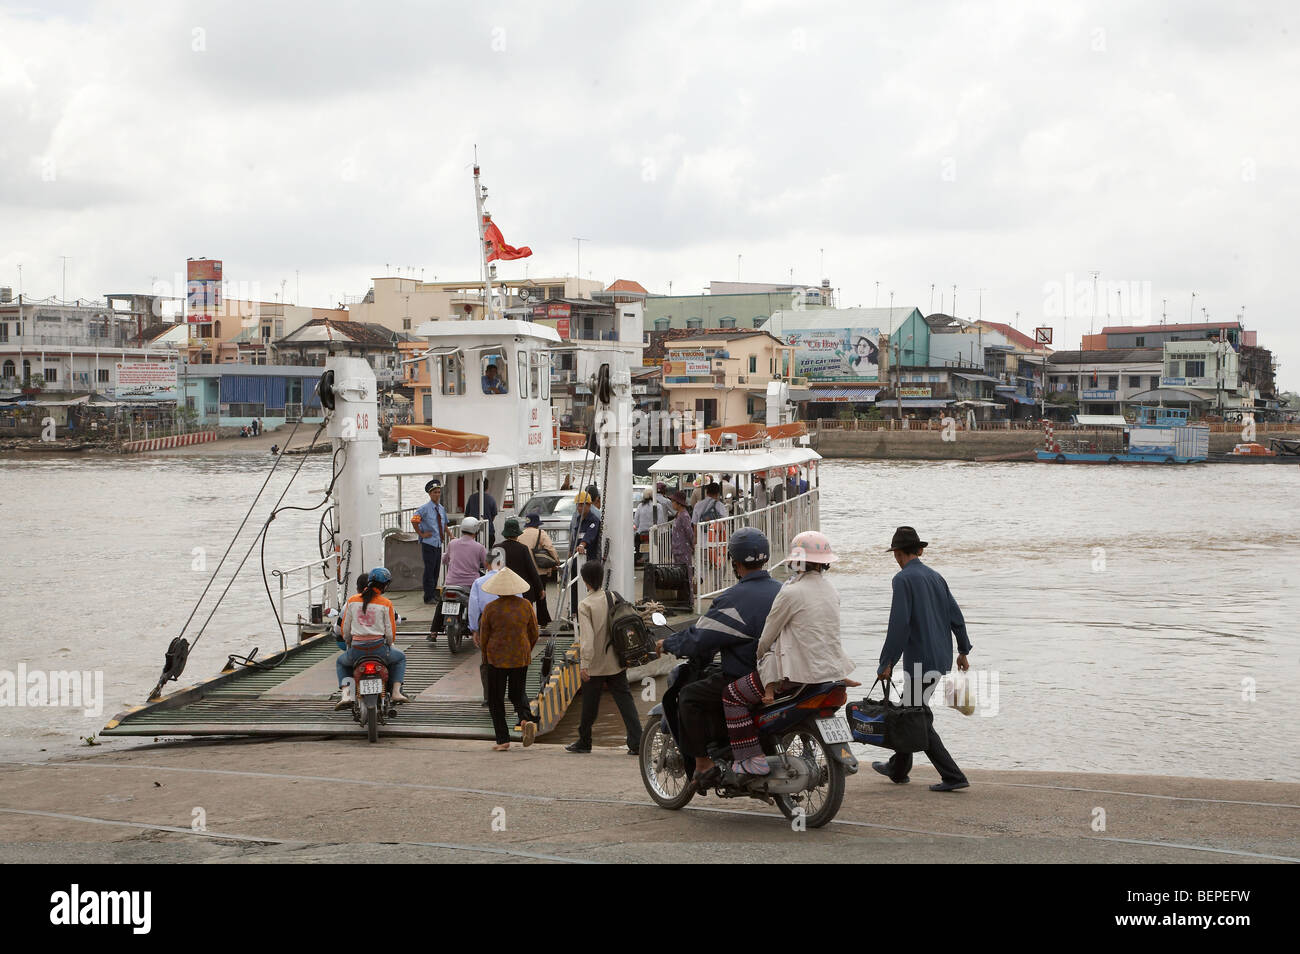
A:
(380, 576)
(749, 546)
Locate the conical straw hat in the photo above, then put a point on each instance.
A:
(506, 582)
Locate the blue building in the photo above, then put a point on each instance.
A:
(232, 395)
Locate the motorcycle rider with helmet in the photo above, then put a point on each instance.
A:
(369, 629)
(733, 626)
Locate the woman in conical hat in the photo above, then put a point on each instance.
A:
(507, 633)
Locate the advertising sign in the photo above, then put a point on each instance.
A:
(203, 270)
(1098, 394)
(154, 380)
(558, 311)
(202, 289)
(687, 368)
(914, 392)
(835, 354)
(562, 327)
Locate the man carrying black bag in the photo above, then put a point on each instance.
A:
(922, 621)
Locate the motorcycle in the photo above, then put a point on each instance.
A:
(372, 704)
(806, 744)
(453, 615)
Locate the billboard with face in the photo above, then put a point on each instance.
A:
(835, 354)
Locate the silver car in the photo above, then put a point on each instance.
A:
(556, 508)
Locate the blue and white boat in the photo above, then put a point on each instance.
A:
(1159, 435)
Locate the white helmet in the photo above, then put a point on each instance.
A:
(469, 525)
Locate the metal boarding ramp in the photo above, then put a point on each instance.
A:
(293, 692)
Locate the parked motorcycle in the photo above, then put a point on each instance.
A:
(806, 744)
(452, 618)
(372, 705)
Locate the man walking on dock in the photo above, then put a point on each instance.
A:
(922, 621)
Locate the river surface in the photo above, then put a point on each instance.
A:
(1124, 619)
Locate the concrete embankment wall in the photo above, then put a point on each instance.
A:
(968, 445)
(165, 443)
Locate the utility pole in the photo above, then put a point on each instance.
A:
(1191, 309)
(932, 298)
(580, 241)
(65, 276)
(876, 303)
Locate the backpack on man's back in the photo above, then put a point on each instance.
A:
(629, 636)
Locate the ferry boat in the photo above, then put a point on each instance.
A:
(502, 439)
(1159, 435)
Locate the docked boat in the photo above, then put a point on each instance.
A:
(1159, 435)
(495, 433)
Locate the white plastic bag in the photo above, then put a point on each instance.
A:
(959, 692)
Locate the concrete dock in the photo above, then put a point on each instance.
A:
(449, 800)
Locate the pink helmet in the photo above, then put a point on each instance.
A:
(811, 547)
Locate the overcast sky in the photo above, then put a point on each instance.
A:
(1013, 147)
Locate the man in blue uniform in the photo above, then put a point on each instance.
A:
(584, 541)
(733, 626)
(430, 522)
(923, 620)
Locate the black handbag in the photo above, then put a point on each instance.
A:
(541, 559)
(890, 725)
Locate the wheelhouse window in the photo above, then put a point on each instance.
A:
(493, 372)
(451, 372)
(523, 375)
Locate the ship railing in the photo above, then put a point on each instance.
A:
(310, 579)
(661, 542)
(397, 519)
(780, 522)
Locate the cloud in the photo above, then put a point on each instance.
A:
(997, 147)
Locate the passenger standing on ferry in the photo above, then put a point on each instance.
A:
(520, 559)
(661, 498)
(681, 541)
(430, 522)
(478, 599)
(507, 634)
(711, 507)
(487, 513)
(369, 629)
(539, 543)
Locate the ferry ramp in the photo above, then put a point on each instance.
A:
(293, 692)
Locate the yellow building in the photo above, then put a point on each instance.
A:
(723, 375)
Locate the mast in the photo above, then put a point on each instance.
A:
(480, 193)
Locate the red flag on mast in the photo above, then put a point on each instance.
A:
(496, 244)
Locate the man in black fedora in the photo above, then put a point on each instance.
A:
(922, 621)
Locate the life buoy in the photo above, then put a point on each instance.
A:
(440, 438)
